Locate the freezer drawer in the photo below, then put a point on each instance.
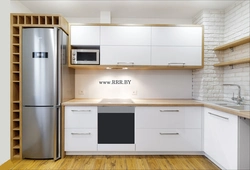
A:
(40, 132)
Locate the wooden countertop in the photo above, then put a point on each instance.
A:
(157, 102)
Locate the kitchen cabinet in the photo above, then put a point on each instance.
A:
(221, 137)
(176, 56)
(144, 46)
(85, 35)
(227, 139)
(125, 35)
(177, 36)
(168, 129)
(125, 45)
(125, 55)
(80, 128)
(177, 46)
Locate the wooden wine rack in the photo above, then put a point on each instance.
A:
(18, 21)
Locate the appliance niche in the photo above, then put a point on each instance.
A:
(116, 128)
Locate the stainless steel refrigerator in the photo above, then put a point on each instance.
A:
(44, 56)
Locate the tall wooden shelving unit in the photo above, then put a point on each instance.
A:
(18, 21)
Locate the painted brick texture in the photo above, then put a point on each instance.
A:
(220, 27)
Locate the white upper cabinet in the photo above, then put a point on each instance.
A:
(176, 56)
(85, 35)
(177, 36)
(125, 55)
(177, 46)
(125, 35)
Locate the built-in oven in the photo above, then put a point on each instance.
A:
(116, 128)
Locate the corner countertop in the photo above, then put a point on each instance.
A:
(157, 102)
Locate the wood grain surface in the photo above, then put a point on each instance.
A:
(150, 162)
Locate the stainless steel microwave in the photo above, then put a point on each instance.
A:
(85, 56)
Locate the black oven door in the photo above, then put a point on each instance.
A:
(116, 125)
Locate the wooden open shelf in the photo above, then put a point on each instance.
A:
(228, 63)
(18, 21)
(233, 44)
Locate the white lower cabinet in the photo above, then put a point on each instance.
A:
(169, 129)
(80, 128)
(168, 140)
(221, 138)
(80, 139)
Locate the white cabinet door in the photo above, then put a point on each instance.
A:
(125, 55)
(168, 140)
(80, 117)
(85, 35)
(168, 117)
(176, 56)
(125, 35)
(220, 137)
(80, 139)
(177, 36)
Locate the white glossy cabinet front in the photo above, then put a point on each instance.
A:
(177, 36)
(168, 129)
(176, 56)
(85, 35)
(125, 45)
(80, 128)
(125, 35)
(125, 55)
(177, 46)
(220, 137)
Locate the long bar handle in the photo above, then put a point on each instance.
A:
(81, 110)
(177, 64)
(218, 116)
(169, 110)
(80, 133)
(169, 133)
(130, 63)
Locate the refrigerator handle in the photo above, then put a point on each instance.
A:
(58, 39)
(57, 135)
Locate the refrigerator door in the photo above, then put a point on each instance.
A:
(39, 67)
(40, 132)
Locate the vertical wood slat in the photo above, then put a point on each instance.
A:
(18, 21)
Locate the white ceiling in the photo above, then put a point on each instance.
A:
(184, 9)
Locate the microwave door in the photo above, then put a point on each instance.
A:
(85, 56)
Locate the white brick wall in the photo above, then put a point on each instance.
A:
(206, 81)
(237, 23)
(223, 26)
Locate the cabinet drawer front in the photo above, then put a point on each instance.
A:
(160, 117)
(125, 35)
(125, 55)
(85, 35)
(176, 56)
(80, 117)
(80, 139)
(168, 140)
